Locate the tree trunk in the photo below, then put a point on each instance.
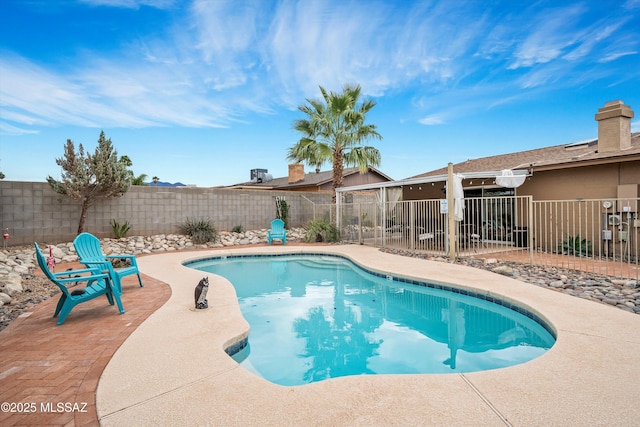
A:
(338, 158)
(83, 215)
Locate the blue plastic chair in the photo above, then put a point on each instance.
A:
(277, 231)
(88, 249)
(97, 284)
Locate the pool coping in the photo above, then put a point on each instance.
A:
(173, 369)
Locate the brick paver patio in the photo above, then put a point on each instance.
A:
(43, 365)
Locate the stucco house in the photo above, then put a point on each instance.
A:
(588, 190)
(605, 167)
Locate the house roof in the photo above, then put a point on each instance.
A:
(310, 179)
(554, 157)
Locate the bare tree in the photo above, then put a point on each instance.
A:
(91, 177)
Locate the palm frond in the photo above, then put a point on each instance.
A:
(334, 130)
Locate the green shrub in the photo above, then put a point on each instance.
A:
(282, 211)
(199, 229)
(320, 230)
(364, 222)
(120, 231)
(237, 229)
(575, 246)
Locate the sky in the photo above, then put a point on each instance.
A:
(203, 91)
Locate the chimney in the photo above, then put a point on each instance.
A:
(296, 173)
(614, 126)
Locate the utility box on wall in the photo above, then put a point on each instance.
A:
(628, 197)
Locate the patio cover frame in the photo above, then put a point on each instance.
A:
(448, 178)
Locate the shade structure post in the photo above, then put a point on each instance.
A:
(450, 214)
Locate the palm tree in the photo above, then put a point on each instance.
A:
(139, 180)
(333, 131)
(308, 151)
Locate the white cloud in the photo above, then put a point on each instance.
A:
(615, 55)
(131, 4)
(631, 4)
(432, 120)
(550, 35)
(320, 43)
(7, 129)
(48, 99)
(596, 34)
(543, 75)
(105, 94)
(225, 32)
(225, 59)
(228, 58)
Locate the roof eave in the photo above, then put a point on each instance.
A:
(250, 187)
(428, 179)
(587, 162)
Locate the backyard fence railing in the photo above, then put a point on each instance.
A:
(598, 236)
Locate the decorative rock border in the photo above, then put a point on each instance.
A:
(20, 289)
(621, 293)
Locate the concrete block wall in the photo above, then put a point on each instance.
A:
(34, 212)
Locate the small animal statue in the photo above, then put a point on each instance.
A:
(201, 294)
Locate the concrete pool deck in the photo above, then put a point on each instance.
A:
(172, 370)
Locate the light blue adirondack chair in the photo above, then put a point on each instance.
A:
(97, 284)
(88, 249)
(277, 231)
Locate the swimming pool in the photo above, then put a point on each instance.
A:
(315, 317)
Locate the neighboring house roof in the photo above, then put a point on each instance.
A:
(555, 157)
(310, 179)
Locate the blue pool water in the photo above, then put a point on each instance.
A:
(315, 317)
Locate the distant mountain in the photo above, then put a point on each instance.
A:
(165, 184)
